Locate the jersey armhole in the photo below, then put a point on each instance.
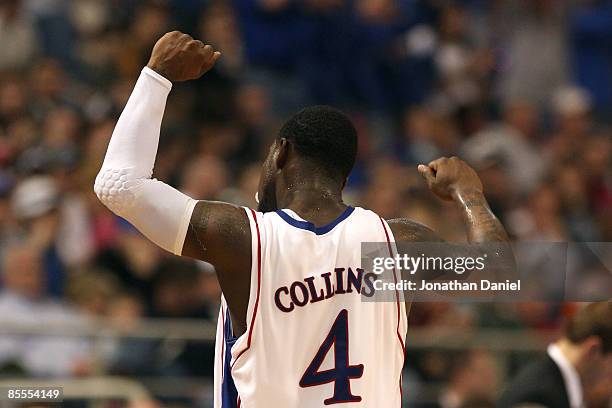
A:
(243, 344)
(402, 325)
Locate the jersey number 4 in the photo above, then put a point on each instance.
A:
(343, 372)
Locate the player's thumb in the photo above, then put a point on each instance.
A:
(427, 173)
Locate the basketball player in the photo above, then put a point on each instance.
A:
(293, 331)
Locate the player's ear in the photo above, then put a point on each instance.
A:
(282, 153)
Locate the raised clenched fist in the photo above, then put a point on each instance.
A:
(178, 57)
(447, 177)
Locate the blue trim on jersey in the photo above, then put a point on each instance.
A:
(229, 393)
(309, 226)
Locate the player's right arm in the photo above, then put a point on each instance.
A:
(451, 179)
(211, 231)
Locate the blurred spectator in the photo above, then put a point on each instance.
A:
(536, 61)
(177, 291)
(23, 301)
(35, 204)
(133, 260)
(572, 116)
(17, 36)
(474, 381)
(578, 361)
(591, 25)
(93, 292)
(508, 144)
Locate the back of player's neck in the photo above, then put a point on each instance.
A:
(316, 206)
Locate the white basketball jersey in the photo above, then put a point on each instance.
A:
(311, 340)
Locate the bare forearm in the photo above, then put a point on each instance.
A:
(482, 225)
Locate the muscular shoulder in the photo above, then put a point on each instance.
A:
(217, 232)
(405, 229)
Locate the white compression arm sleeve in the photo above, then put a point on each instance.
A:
(124, 183)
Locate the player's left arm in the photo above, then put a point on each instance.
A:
(210, 231)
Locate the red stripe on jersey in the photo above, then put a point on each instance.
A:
(399, 336)
(258, 286)
(222, 343)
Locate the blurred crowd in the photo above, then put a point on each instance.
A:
(521, 89)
